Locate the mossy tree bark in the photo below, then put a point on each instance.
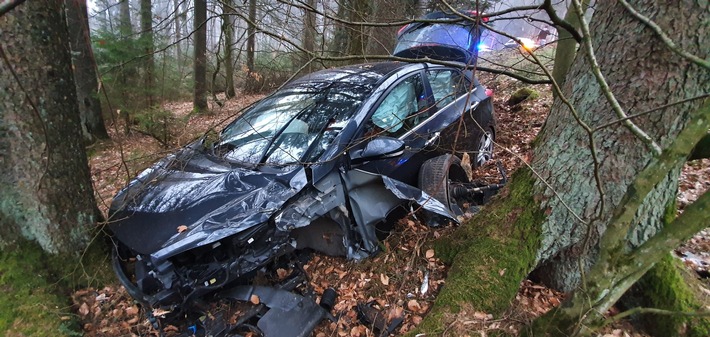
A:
(585, 162)
(45, 187)
(580, 193)
(47, 205)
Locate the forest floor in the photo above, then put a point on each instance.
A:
(404, 279)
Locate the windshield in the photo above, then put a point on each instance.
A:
(292, 127)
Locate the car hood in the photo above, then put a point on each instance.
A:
(191, 199)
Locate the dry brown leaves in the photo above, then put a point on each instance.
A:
(392, 280)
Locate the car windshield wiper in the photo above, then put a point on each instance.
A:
(270, 148)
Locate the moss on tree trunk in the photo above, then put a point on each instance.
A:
(489, 255)
(668, 286)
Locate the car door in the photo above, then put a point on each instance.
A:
(401, 109)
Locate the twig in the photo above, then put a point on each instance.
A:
(655, 311)
(8, 5)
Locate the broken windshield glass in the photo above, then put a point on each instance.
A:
(293, 127)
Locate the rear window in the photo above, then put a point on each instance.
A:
(452, 35)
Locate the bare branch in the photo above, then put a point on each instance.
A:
(558, 21)
(8, 5)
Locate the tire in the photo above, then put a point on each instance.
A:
(483, 147)
(436, 176)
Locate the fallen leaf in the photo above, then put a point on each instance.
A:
(254, 299)
(501, 272)
(160, 312)
(413, 305)
(282, 273)
(429, 253)
(181, 228)
(84, 309)
(385, 279)
(132, 311)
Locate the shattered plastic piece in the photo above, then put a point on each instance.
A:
(425, 284)
(375, 318)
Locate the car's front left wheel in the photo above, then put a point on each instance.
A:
(438, 176)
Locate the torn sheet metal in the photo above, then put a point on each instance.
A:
(411, 193)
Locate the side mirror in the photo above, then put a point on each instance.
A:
(378, 148)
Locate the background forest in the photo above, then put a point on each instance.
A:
(601, 122)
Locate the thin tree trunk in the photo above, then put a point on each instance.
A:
(200, 72)
(228, 31)
(178, 37)
(126, 72)
(566, 46)
(251, 83)
(309, 36)
(125, 26)
(148, 47)
(87, 88)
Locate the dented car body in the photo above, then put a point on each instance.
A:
(325, 163)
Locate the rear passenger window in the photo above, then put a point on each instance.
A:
(447, 85)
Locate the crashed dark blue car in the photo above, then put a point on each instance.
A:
(326, 163)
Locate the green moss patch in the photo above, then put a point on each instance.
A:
(35, 287)
(490, 255)
(668, 286)
(30, 303)
(521, 95)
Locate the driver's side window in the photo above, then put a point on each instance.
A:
(400, 110)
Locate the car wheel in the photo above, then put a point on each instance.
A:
(437, 176)
(483, 147)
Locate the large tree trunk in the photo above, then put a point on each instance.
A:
(557, 216)
(147, 42)
(644, 74)
(200, 72)
(87, 87)
(45, 186)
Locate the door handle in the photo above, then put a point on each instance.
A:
(432, 139)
